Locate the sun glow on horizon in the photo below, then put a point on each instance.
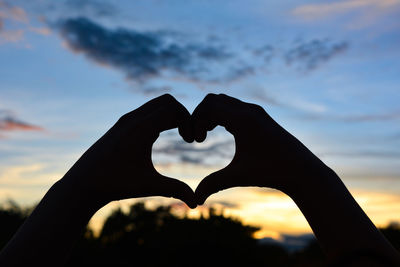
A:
(274, 212)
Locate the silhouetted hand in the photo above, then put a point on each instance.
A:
(119, 164)
(266, 154)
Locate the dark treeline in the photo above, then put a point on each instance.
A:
(157, 237)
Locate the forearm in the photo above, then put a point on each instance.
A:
(50, 232)
(338, 222)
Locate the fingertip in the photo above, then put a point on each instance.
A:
(186, 131)
(192, 205)
(200, 136)
(188, 139)
(187, 196)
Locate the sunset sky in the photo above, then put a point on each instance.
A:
(328, 72)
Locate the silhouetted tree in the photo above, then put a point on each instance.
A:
(392, 233)
(158, 237)
(11, 218)
(310, 256)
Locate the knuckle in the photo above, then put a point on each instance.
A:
(167, 97)
(257, 108)
(211, 97)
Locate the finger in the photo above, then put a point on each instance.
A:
(212, 184)
(212, 111)
(185, 129)
(170, 187)
(171, 114)
(178, 116)
(170, 117)
(130, 119)
(150, 106)
(183, 120)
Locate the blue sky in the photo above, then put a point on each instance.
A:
(327, 71)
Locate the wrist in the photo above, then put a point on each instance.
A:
(311, 178)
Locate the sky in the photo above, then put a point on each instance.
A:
(327, 71)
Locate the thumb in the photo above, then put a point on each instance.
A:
(214, 183)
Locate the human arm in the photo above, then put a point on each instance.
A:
(268, 156)
(117, 166)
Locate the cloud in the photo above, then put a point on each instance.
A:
(314, 111)
(179, 146)
(92, 7)
(354, 14)
(267, 52)
(40, 30)
(261, 95)
(305, 108)
(224, 204)
(192, 160)
(11, 36)
(188, 153)
(310, 55)
(13, 13)
(318, 11)
(372, 117)
(156, 90)
(10, 123)
(146, 56)
(21, 23)
(394, 115)
(364, 154)
(141, 55)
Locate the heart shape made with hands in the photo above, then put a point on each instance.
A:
(246, 122)
(206, 116)
(259, 140)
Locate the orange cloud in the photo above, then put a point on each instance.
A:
(322, 10)
(11, 124)
(19, 17)
(13, 13)
(11, 36)
(40, 30)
